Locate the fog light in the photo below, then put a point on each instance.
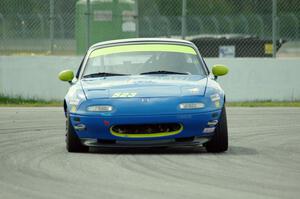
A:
(213, 115)
(212, 123)
(101, 108)
(196, 105)
(209, 130)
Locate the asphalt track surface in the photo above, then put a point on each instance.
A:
(263, 161)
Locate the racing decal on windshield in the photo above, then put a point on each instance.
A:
(143, 48)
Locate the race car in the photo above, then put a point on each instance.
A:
(145, 93)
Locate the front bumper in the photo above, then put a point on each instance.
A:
(97, 127)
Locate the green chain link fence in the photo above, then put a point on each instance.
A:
(69, 26)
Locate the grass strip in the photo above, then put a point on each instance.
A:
(264, 104)
(21, 102)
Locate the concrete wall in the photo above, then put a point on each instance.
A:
(248, 79)
(260, 78)
(35, 76)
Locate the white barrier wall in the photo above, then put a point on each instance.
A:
(249, 78)
(35, 76)
(260, 78)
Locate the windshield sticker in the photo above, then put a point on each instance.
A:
(143, 48)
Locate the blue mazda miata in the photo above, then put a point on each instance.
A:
(145, 93)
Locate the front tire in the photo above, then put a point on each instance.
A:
(73, 143)
(219, 142)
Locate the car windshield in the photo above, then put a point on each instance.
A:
(143, 59)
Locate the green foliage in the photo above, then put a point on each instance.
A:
(35, 6)
(162, 7)
(207, 7)
(216, 7)
(253, 17)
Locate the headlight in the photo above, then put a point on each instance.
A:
(196, 105)
(75, 101)
(215, 97)
(100, 108)
(76, 96)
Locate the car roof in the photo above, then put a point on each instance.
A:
(141, 40)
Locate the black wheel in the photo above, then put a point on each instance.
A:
(73, 143)
(219, 142)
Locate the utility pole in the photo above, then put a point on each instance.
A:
(274, 27)
(183, 20)
(51, 28)
(137, 18)
(88, 23)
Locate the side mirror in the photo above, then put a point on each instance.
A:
(66, 75)
(219, 70)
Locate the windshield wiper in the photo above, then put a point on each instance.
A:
(103, 75)
(163, 72)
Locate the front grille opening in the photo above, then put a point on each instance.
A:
(187, 139)
(146, 128)
(106, 141)
(214, 115)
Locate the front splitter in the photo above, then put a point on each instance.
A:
(144, 144)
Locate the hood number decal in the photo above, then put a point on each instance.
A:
(121, 94)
